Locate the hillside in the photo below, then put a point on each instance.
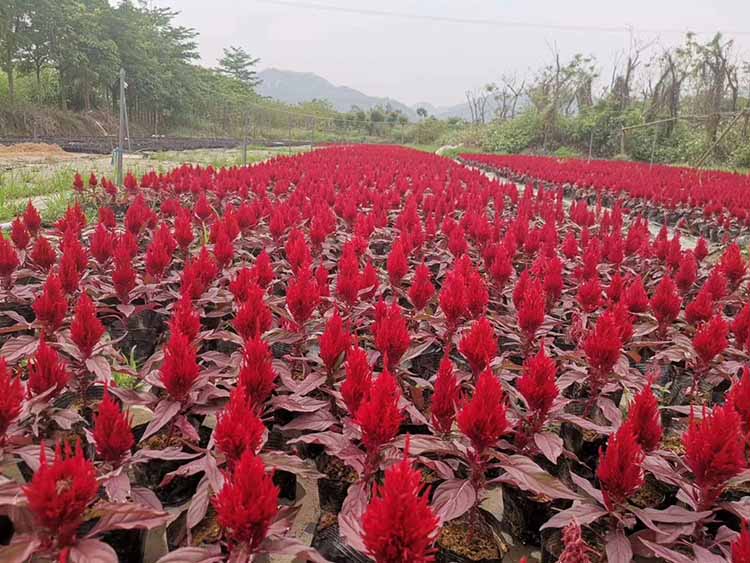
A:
(295, 87)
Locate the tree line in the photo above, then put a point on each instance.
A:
(69, 53)
(693, 89)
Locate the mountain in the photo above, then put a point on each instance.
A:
(295, 87)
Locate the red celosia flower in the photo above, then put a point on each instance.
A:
(687, 272)
(112, 434)
(19, 235)
(47, 371)
(378, 416)
(453, 299)
(553, 279)
(297, 252)
(538, 385)
(603, 346)
(710, 339)
(123, 276)
(531, 309)
(644, 419)
(11, 397)
(158, 259)
(701, 308)
(202, 208)
(741, 546)
(247, 504)
(570, 246)
(42, 254)
(257, 376)
(397, 264)
(185, 319)
(321, 276)
(398, 525)
(70, 277)
(666, 303)
(421, 290)
(502, 266)
(590, 295)
(636, 297)
(716, 284)
(334, 341)
(575, 550)
(264, 273)
(479, 346)
(93, 180)
(482, 419)
(714, 451)
(31, 219)
(701, 249)
(302, 296)
(238, 429)
(78, 182)
(86, 329)
(180, 369)
(348, 277)
(59, 494)
(102, 244)
(732, 265)
(620, 473)
(446, 397)
(741, 327)
(392, 335)
(8, 260)
(477, 294)
(739, 398)
(50, 306)
(223, 249)
(183, 229)
(253, 317)
(240, 285)
(356, 386)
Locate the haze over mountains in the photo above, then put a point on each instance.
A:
(295, 87)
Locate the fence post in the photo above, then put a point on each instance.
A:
(121, 132)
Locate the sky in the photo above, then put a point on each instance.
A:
(430, 59)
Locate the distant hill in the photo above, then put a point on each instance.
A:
(295, 87)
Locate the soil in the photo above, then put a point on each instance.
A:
(462, 541)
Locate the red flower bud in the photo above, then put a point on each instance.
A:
(257, 376)
(247, 504)
(379, 417)
(399, 525)
(334, 341)
(253, 317)
(112, 434)
(620, 473)
(538, 385)
(392, 335)
(356, 387)
(59, 494)
(51, 305)
(86, 329)
(714, 451)
(47, 371)
(482, 419)
(180, 369)
(238, 429)
(479, 346)
(421, 290)
(710, 339)
(302, 296)
(446, 398)
(11, 398)
(644, 419)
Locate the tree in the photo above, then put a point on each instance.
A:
(238, 64)
(422, 113)
(13, 27)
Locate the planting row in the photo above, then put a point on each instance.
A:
(687, 196)
(447, 362)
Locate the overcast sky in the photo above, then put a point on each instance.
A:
(431, 60)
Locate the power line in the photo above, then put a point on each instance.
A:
(484, 22)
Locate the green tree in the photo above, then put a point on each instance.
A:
(238, 64)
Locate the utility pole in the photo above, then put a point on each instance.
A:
(121, 133)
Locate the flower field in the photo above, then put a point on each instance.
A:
(372, 353)
(700, 200)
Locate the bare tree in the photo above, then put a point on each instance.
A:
(477, 100)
